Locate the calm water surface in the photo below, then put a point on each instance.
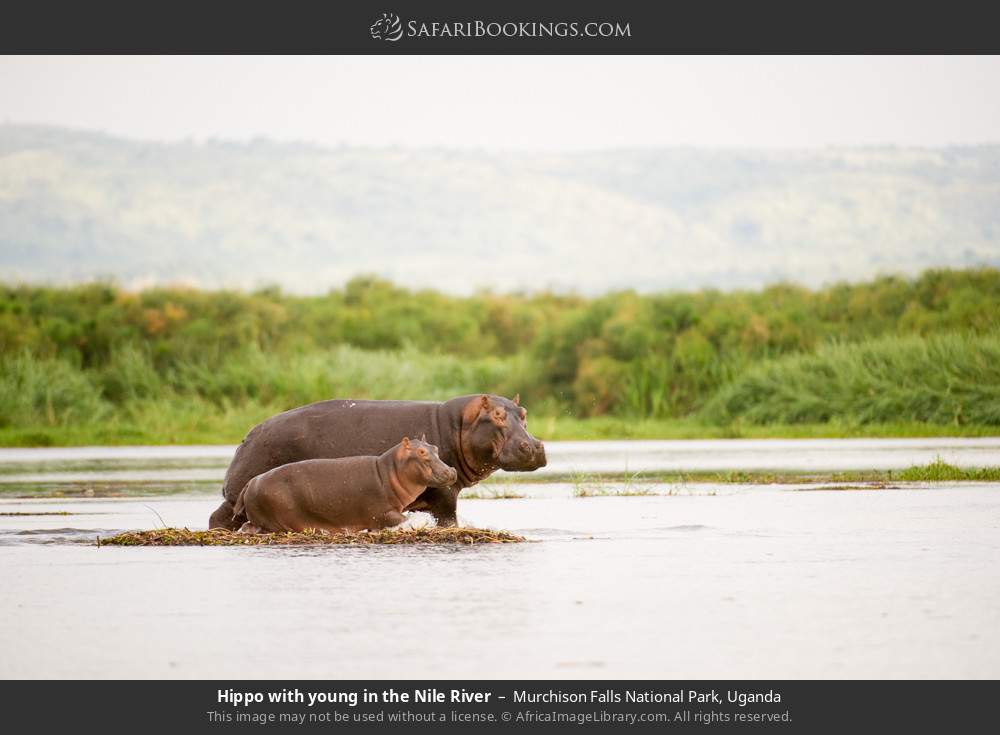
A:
(702, 580)
(209, 462)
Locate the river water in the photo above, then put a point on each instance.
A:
(687, 580)
(567, 457)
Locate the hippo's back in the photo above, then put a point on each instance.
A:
(328, 430)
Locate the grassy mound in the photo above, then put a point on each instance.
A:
(951, 379)
(222, 537)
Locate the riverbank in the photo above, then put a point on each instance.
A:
(229, 428)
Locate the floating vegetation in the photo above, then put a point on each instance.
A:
(223, 537)
(835, 488)
(601, 492)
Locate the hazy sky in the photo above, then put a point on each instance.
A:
(524, 102)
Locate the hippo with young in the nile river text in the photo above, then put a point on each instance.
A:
(343, 495)
(476, 435)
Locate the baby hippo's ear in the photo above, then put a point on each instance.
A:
(423, 438)
(517, 399)
(406, 443)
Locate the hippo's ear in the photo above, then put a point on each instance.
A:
(405, 442)
(423, 438)
(517, 399)
(476, 409)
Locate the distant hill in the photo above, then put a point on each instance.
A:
(79, 205)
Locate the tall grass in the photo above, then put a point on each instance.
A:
(132, 394)
(939, 470)
(51, 392)
(940, 380)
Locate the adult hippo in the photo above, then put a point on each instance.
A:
(476, 435)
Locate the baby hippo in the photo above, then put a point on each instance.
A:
(349, 494)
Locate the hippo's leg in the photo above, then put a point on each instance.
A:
(223, 517)
(440, 502)
(392, 519)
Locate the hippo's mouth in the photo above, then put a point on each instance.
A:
(527, 461)
(445, 479)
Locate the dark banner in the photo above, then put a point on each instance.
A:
(356, 706)
(510, 27)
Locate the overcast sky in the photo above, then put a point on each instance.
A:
(570, 102)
